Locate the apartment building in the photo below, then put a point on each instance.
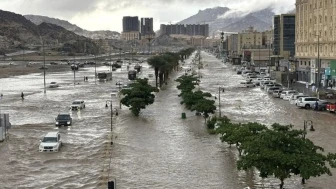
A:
(131, 29)
(316, 38)
(255, 45)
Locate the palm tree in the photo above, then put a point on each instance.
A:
(156, 62)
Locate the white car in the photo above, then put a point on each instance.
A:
(293, 99)
(246, 84)
(51, 142)
(77, 105)
(289, 94)
(286, 92)
(307, 102)
(53, 85)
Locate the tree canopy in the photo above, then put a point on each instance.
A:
(280, 151)
(138, 96)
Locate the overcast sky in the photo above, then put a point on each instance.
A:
(107, 14)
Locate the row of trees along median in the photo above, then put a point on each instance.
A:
(195, 99)
(279, 151)
(167, 62)
(140, 93)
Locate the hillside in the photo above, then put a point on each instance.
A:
(16, 31)
(224, 19)
(100, 34)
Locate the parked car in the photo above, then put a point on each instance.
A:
(288, 94)
(53, 85)
(277, 93)
(63, 119)
(271, 89)
(77, 105)
(321, 105)
(263, 84)
(307, 102)
(294, 97)
(53, 63)
(51, 142)
(331, 107)
(246, 84)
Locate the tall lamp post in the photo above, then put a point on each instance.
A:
(222, 41)
(219, 102)
(110, 102)
(44, 68)
(119, 86)
(317, 78)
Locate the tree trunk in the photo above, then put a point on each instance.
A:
(156, 76)
(282, 183)
(303, 181)
(160, 78)
(239, 149)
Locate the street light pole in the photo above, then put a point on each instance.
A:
(96, 69)
(110, 101)
(219, 101)
(44, 68)
(318, 63)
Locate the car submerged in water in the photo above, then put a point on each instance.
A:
(63, 120)
(77, 105)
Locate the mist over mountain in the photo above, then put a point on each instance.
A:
(226, 19)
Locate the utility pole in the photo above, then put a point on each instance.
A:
(318, 63)
(96, 68)
(219, 102)
(259, 58)
(269, 57)
(44, 68)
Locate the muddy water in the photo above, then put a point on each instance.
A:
(156, 150)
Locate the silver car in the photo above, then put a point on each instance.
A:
(277, 93)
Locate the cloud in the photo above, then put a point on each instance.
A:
(107, 14)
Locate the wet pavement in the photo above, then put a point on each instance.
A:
(158, 149)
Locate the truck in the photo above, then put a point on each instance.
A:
(104, 76)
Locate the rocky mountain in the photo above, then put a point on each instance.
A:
(225, 19)
(100, 34)
(17, 32)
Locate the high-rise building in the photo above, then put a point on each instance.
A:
(284, 35)
(130, 28)
(146, 27)
(130, 23)
(189, 29)
(316, 38)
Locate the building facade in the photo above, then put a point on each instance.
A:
(316, 38)
(130, 28)
(146, 27)
(284, 35)
(189, 29)
(253, 46)
(130, 23)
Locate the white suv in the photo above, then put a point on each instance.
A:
(307, 102)
(77, 104)
(51, 142)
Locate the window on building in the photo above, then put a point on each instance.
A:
(305, 63)
(309, 63)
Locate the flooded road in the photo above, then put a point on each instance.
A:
(155, 150)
